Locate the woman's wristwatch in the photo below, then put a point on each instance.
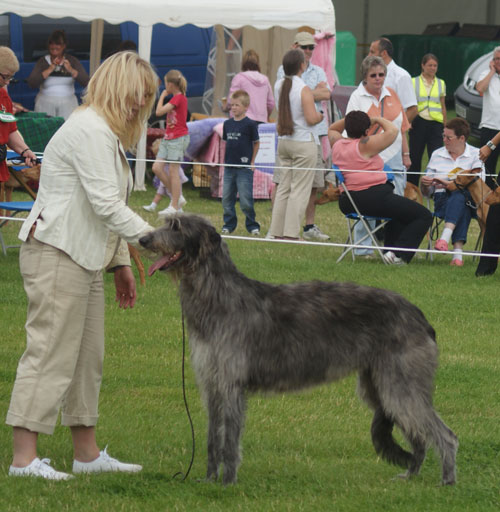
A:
(491, 145)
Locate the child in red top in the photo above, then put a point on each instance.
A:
(176, 140)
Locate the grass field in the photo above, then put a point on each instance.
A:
(308, 451)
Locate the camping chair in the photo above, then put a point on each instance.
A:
(15, 207)
(353, 219)
(21, 173)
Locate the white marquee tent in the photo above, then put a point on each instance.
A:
(260, 14)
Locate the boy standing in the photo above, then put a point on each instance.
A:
(242, 144)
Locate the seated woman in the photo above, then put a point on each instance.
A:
(452, 205)
(370, 190)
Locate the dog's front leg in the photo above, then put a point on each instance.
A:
(215, 433)
(234, 419)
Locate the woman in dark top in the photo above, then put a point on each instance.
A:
(55, 75)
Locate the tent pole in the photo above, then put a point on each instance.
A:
(145, 34)
(96, 34)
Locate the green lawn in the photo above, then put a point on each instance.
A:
(304, 451)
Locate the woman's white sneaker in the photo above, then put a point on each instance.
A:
(39, 468)
(392, 259)
(104, 463)
(169, 211)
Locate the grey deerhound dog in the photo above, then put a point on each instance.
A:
(247, 335)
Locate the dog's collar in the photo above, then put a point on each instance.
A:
(460, 187)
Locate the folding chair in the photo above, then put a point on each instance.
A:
(433, 234)
(353, 219)
(15, 207)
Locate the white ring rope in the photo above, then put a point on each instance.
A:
(324, 244)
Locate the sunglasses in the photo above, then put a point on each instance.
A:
(7, 78)
(374, 75)
(307, 47)
(449, 137)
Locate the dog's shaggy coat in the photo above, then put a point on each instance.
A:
(246, 335)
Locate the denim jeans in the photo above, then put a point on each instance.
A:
(238, 181)
(451, 207)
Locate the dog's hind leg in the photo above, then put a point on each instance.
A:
(446, 443)
(408, 402)
(427, 425)
(215, 433)
(384, 443)
(382, 424)
(234, 418)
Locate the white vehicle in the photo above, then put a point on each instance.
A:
(468, 102)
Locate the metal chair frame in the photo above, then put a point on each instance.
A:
(353, 219)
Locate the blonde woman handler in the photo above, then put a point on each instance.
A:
(78, 227)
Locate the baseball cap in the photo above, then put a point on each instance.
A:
(304, 39)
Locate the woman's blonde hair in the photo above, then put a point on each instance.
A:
(177, 78)
(123, 82)
(8, 60)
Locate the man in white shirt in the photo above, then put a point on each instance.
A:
(488, 86)
(397, 78)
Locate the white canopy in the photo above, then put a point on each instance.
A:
(260, 14)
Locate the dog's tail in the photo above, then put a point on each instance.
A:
(384, 443)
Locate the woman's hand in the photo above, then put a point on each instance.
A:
(426, 180)
(67, 66)
(407, 161)
(484, 153)
(125, 287)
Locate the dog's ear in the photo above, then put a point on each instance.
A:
(173, 222)
(214, 237)
(210, 242)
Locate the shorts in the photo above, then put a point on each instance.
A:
(173, 150)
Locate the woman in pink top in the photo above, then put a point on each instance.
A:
(369, 189)
(257, 85)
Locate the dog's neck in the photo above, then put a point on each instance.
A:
(481, 194)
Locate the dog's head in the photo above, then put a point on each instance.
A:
(464, 178)
(413, 193)
(183, 242)
(330, 193)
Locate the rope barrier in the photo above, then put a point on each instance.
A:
(355, 246)
(271, 167)
(325, 244)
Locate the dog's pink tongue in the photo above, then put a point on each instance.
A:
(158, 264)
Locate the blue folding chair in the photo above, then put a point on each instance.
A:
(354, 219)
(15, 207)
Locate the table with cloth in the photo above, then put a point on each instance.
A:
(37, 128)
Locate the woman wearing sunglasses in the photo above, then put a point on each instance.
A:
(377, 100)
